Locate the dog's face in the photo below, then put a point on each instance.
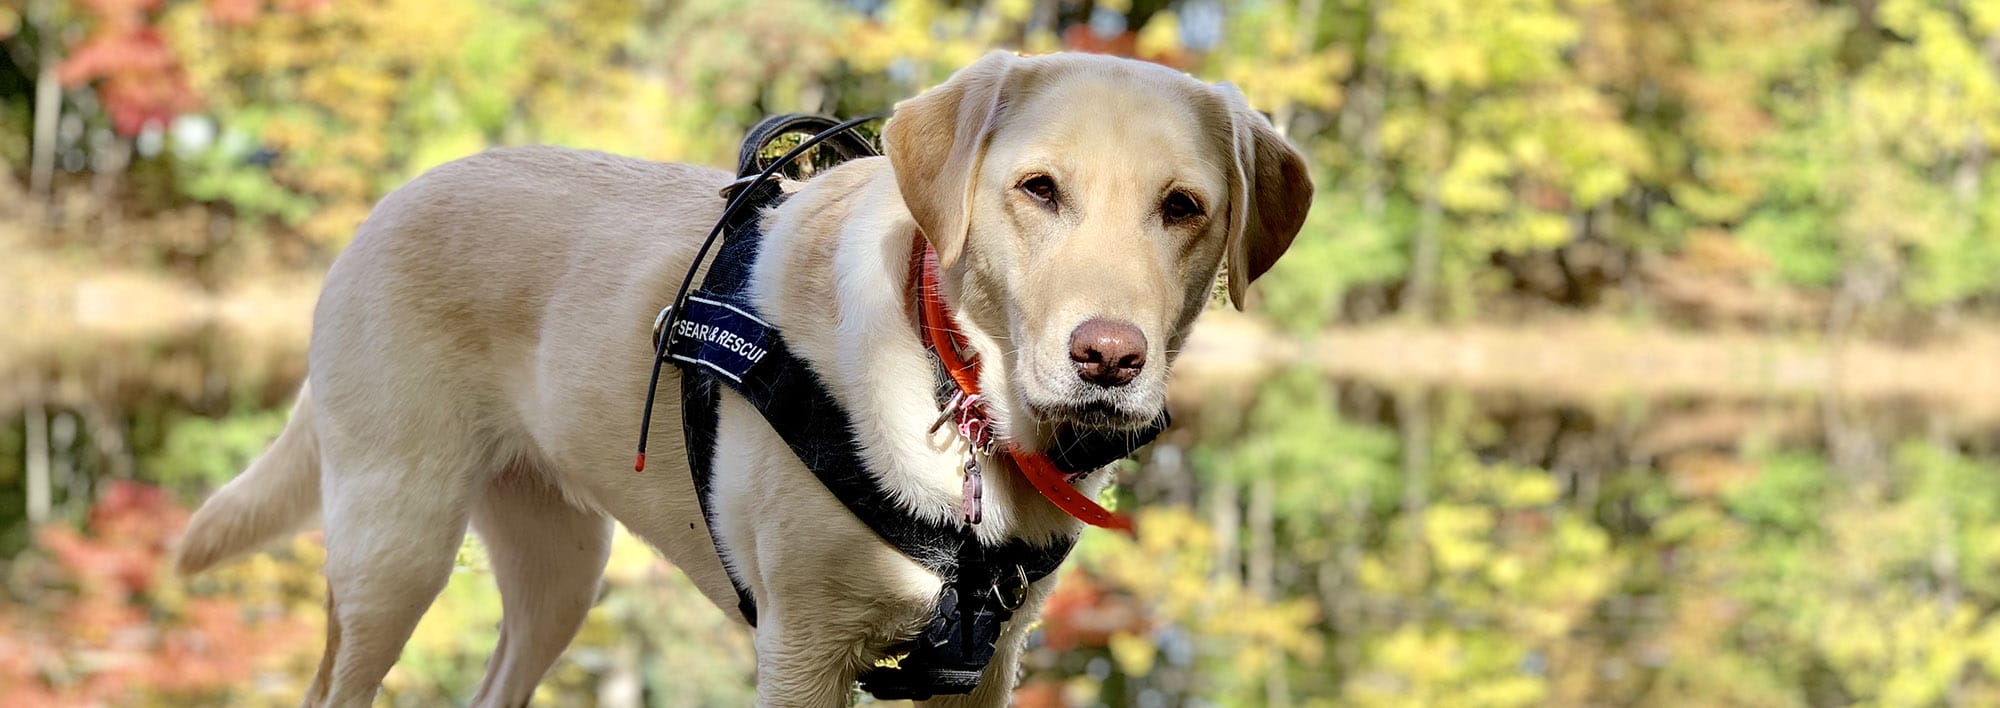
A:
(1080, 207)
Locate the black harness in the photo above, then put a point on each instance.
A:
(719, 341)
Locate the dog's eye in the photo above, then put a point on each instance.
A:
(1042, 188)
(1179, 207)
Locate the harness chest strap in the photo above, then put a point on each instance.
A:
(720, 343)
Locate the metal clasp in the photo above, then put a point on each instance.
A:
(950, 407)
(1015, 595)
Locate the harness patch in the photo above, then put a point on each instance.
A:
(720, 335)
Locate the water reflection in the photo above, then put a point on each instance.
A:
(1438, 538)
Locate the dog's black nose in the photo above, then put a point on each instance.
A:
(1107, 352)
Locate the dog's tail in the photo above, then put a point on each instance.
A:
(277, 495)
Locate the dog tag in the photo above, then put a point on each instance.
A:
(969, 505)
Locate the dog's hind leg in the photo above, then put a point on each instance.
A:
(394, 522)
(548, 557)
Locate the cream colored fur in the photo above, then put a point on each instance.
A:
(480, 354)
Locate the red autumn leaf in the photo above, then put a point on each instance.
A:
(139, 78)
(235, 12)
(94, 618)
(1040, 694)
(1081, 38)
(120, 8)
(1083, 613)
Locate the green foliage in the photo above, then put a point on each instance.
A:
(203, 453)
(1962, 259)
(224, 172)
(1342, 250)
(1783, 500)
(1284, 440)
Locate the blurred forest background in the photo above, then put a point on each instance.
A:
(1638, 352)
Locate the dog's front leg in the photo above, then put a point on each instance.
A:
(798, 667)
(996, 683)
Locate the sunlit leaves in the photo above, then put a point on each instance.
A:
(1471, 184)
(1170, 572)
(1265, 57)
(922, 40)
(1872, 585)
(1415, 666)
(1962, 258)
(367, 99)
(1451, 45)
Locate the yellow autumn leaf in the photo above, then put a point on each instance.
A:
(1134, 653)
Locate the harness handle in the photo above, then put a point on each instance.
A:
(762, 134)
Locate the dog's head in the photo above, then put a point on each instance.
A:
(1080, 207)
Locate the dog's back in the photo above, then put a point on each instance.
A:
(487, 318)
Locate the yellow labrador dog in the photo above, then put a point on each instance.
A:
(479, 356)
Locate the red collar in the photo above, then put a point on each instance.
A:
(944, 340)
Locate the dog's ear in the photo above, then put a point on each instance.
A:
(1270, 191)
(935, 142)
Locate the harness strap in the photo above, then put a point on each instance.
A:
(719, 344)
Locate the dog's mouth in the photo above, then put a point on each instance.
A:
(1098, 416)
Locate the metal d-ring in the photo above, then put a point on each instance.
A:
(1012, 599)
(660, 322)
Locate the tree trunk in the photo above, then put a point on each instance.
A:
(623, 685)
(1424, 249)
(1347, 610)
(107, 433)
(48, 107)
(1263, 575)
(1226, 515)
(1166, 479)
(113, 156)
(1374, 89)
(1306, 25)
(1414, 415)
(1262, 564)
(36, 429)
